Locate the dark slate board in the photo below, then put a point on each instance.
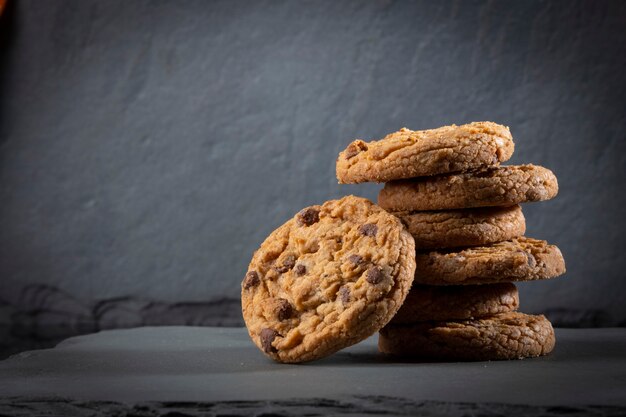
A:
(356, 406)
(193, 371)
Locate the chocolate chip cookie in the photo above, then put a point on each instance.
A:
(465, 227)
(413, 153)
(503, 336)
(454, 302)
(501, 186)
(328, 278)
(519, 259)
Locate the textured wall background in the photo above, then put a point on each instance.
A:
(147, 148)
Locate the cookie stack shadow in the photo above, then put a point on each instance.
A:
(463, 209)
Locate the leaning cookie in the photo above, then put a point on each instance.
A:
(456, 302)
(465, 227)
(328, 278)
(409, 153)
(519, 259)
(502, 186)
(501, 337)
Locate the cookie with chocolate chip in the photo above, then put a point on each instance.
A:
(328, 278)
(499, 337)
(415, 153)
(519, 259)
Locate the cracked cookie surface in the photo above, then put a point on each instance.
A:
(465, 302)
(501, 186)
(464, 227)
(328, 278)
(500, 337)
(413, 153)
(519, 259)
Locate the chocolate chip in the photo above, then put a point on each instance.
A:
(267, 336)
(284, 310)
(354, 148)
(288, 263)
(300, 270)
(308, 216)
(251, 280)
(344, 295)
(368, 229)
(356, 259)
(374, 275)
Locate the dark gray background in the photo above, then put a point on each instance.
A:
(147, 148)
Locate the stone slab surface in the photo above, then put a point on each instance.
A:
(354, 406)
(172, 365)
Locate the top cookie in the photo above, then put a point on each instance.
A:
(328, 278)
(414, 153)
(501, 186)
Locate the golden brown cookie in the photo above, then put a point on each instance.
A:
(465, 227)
(328, 278)
(413, 153)
(519, 259)
(503, 336)
(501, 186)
(456, 302)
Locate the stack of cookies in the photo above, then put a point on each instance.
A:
(431, 269)
(447, 187)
